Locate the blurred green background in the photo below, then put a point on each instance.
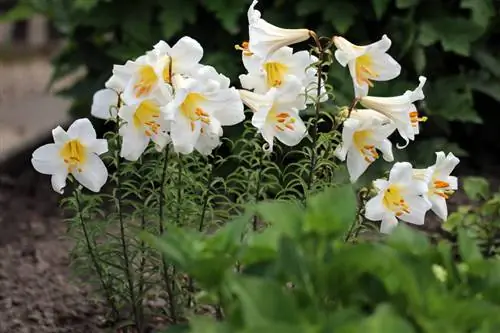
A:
(452, 42)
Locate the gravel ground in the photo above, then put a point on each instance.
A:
(37, 291)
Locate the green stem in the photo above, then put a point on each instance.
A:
(314, 134)
(257, 191)
(126, 261)
(161, 229)
(206, 196)
(94, 260)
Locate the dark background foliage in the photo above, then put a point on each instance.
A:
(452, 42)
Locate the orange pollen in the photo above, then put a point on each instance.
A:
(244, 47)
(279, 128)
(290, 127)
(192, 126)
(441, 184)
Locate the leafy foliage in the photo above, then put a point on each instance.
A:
(299, 275)
(451, 41)
(481, 219)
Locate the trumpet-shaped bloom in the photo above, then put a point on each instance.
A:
(366, 63)
(182, 58)
(141, 79)
(400, 197)
(400, 109)
(143, 122)
(363, 134)
(74, 152)
(266, 38)
(277, 69)
(105, 104)
(198, 102)
(276, 114)
(209, 139)
(441, 185)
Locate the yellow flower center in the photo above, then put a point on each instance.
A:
(281, 121)
(364, 70)
(394, 201)
(74, 155)
(191, 109)
(146, 116)
(441, 188)
(361, 140)
(275, 73)
(147, 79)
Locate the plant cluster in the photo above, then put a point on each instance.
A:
(454, 41)
(169, 110)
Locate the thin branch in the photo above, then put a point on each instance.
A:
(126, 262)
(161, 229)
(95, 262)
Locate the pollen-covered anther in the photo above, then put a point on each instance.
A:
(441, 184)
(370, 153)
(415, 119)
(244, 48)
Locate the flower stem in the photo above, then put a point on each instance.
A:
(126, 261)
(206, 196)
(161, 229)
(93, 258)
(257, 191)
(314, 134)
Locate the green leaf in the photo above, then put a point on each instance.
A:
(386, 320)
(332, 211)
(206, 324)
(476, 188)
(264, 302)
(20, 12)
(482, 10)
(380, 7)
(403, 4)
(227, 12)
(174, 15)
(284, 217)
(85, 5)
(469, 251)
(419, 59)
(408, 240)
(455, 33)
(487, 60)
(341, 14)
(459, 104)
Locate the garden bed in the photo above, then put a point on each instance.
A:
(37, 290)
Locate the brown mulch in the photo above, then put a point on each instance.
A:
(38, 293)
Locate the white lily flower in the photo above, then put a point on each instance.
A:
(140, 79)
(400, 109)
(196, 103)
(266, 38)
(366, 63)
(276, 114)
(281, 66)
(441, 185)
(209, 139)
(182, 58)
(105, 104)
(73, 152)
(144, 122)
(363, 133)
(400, 197)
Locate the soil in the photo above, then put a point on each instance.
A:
(37, 291)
